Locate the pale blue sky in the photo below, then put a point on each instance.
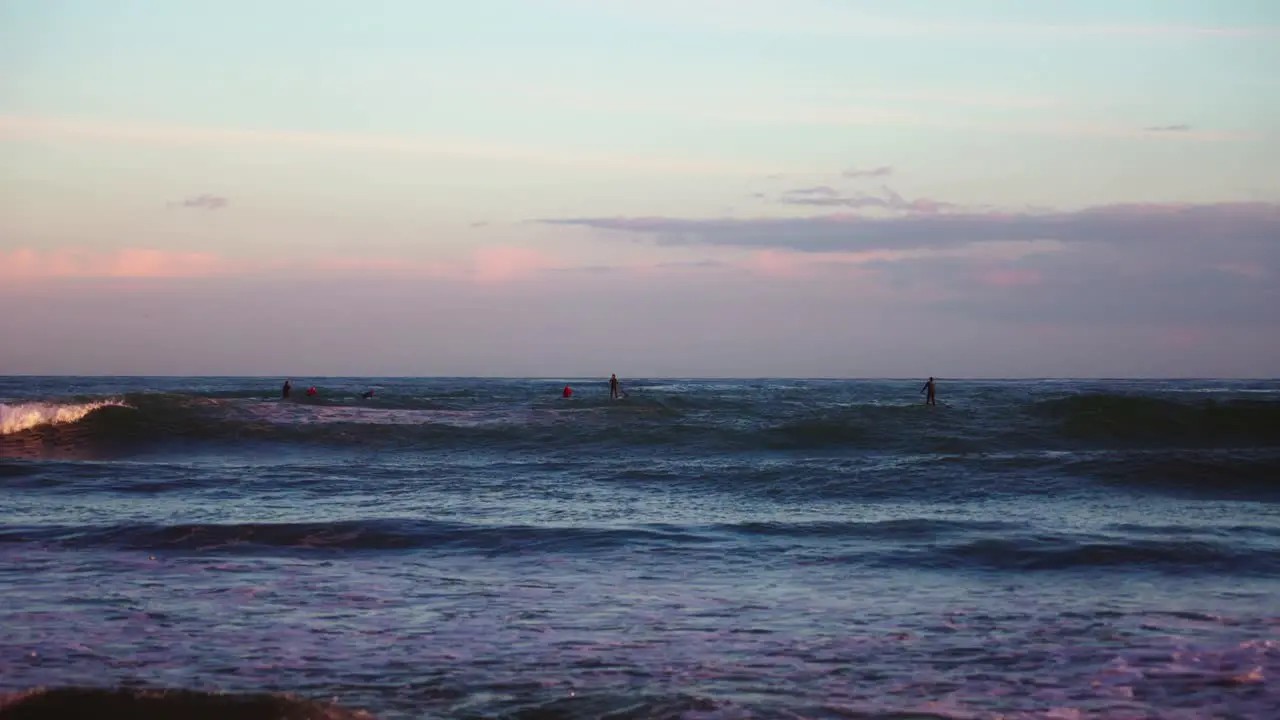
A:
(405, 140)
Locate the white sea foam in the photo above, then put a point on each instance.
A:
(24, 416)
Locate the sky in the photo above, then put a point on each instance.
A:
(693, 188)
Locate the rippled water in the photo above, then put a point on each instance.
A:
(464, 548)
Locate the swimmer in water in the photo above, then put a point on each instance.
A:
(284, 392)
(613, 387)
(929, 387)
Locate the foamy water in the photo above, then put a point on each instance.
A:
(24, 416)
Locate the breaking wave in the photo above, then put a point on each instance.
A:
(24, 416)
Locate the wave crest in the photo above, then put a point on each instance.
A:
(15, 418)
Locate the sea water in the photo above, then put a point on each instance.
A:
(698, 549)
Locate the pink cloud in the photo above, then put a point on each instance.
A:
(486, 265)
(505, 264)
(499, 264)
(492, 265)
(29, 264)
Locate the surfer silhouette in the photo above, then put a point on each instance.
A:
(284, 392)
(613, 387)
(929, 387)
(367, 394)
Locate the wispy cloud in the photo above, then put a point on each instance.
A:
(485, 265)
(694, 264)
(796, 17)
(814, 191)
(17, 128)
(203, 202)
(825, 196)
(762, 101)
(1116, 132)
(787, 263)
(25, 128)
(1011, 277)
(488, 265)
(1251, 271)
(787, 106)
(1252, 224)
(882, 171)
(374, 266)
(1142, 282)
(1170, 128)
(1187, 264)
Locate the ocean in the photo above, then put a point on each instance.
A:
(700, 549)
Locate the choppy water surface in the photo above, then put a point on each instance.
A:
(467, 548)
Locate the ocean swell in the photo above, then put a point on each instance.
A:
(107, 427)
(917, 542)
(161, 704)
(1163, 421)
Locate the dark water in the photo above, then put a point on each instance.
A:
(482, 548)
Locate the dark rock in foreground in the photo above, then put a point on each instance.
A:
(41, 703)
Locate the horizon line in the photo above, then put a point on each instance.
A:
(705, 378)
